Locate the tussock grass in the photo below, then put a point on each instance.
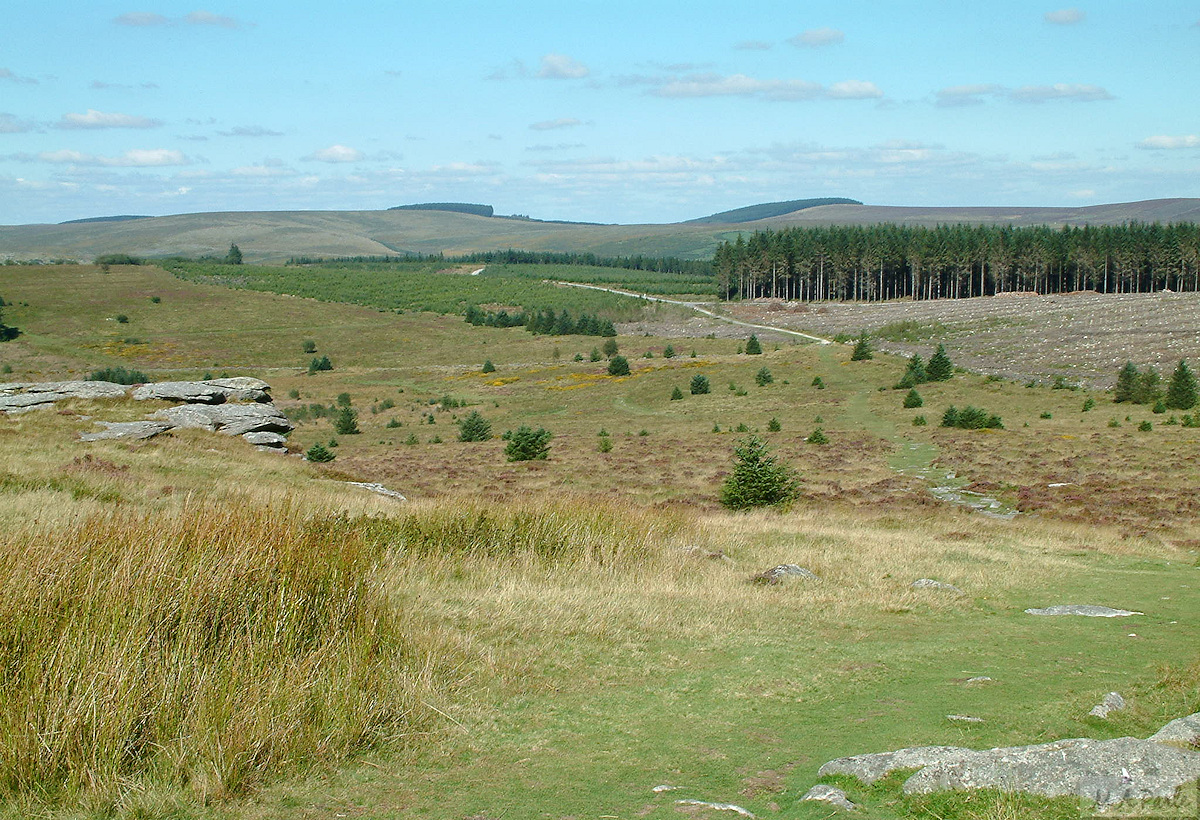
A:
(205, 650)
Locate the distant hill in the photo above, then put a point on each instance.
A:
(752, 213)
(122, 218)
(451, 207)
(275, 236)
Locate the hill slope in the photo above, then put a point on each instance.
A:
(266, 236)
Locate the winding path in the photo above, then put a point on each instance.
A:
(696, 307)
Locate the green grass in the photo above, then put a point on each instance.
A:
(568, 651)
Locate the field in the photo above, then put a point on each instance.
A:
(556, 638)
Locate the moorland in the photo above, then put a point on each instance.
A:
(192, 628)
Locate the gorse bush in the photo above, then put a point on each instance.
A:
(119, 375)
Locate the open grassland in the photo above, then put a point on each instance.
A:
(202, 630)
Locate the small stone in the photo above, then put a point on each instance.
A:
(715, 806)
(377, 488)
(1112, 702)
(1084, 610)
(964, 719)
(979, 680)
(784, 572)
(663, 787)
(830, 794)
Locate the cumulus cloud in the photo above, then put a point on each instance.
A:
(1166, 143)
(561, 122)
(818, 37)
(741, 85)
(102, 119)
(207, 18)
(753, 45)
(562, 67)
(957, 95)
(1072, 92)
(141, 18)
(6, 74)
(134, 158)
(11, 125)
(336, 153)
(1064, 17)
(250, 131)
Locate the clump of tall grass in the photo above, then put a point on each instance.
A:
(204, 650)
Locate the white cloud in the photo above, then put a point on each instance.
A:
(753, 45)
(1059, 91)
(958, 95)
(562, 67)
(1065, 17)
(465, 169)
(207, 18)
(6, 74)
(250, 131)
(854, 90)
(818, 37)
(741, 85)
(550, 125)
(11, 125)
(101, 119)
(141, 18)
(134, 158)
(1165, 143)
(336, 153)
(267, 168)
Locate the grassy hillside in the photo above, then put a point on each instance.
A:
(552, 638)
(274, 236)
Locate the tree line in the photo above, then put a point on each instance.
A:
(513, 256)
(877, 262)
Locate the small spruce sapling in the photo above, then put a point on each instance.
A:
(488, 367)
(618, 366)
(676, 394)
(940, 367)
(763, 377)
(527, 444)
(319, 454)
(474, 427)
(862, 349)
(913, 399)
(346, 423)
(753, 348)
(700, 385)
(757, 479)
(1182, 391)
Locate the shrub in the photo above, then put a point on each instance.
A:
(648, 355)
(578, 357)
(817, 436)
(1046, 415)
(1181, 391)
(700, 385)
(527, 444)
(474, 427)
(862, 349)
(753, 348)
(970, 418)
(818, 383)
(346, 423)
(320, 364)
(913, 399)
(412, 439)
(343, 399)
(1145, 427)
(1088, 404)
(757, 480)
(319, 454)
(915, 374)
(676, 394)
(763, 377)
(940, 367)
(119, 375)
(1160, 406)
(618, 366)
(488, 367)
(669, 352)
(1114, 423)
(156, 300)
(234, 256)
(742, 428)
(919, 421)
(594, 355)
(610, 347)
(393, 423)
(773, 426)
(122, 319)
(1191, 420)
(1127, 381)
(1149, 387)
(605, 445)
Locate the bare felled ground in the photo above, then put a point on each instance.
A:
(1085, 337)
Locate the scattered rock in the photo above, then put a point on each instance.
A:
(981, 679)
(663, 787)
(1184, 731)
(929, 583)
(242, 388)
(830, 794)
(715, 806)
(81, 389)
(1112, 702)
(186, 392)
(783, 573)
(378, 488)
(1085, 610)
(869, 768)
(265, 439)
(964, 719)
(24, 402)
(127, 430)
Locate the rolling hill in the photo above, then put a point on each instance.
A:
(274, 236)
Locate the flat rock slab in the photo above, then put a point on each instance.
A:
(703, 804)
(1084, 610)
(20, 402)
(831, 795)
(1107, 772)
(187, 392)
(1184, 730)
(377, 488)
(232, 419)
(127, 430)
(784, 573)
(264, 439)
(81, 389)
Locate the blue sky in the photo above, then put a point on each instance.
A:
(608, 111)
